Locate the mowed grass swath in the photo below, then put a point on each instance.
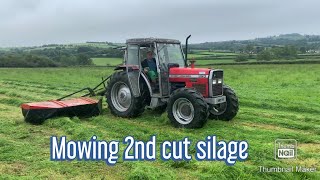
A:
(276, 101)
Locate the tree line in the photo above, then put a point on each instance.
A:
(267, 54)
(302, 42)
(54, 56)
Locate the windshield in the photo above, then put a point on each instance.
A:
(170, 53)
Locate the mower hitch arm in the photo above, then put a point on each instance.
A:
(92, 91)
(89, 89)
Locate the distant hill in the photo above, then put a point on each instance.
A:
(309, 42)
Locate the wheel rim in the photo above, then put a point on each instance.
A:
(218, 109)
(183, 111)
(121, 96)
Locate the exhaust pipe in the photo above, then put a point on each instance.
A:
(186, 51)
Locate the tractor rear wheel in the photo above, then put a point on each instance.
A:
(187, 108)
(228, 110)
(120, 100)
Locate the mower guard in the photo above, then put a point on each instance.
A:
(38, 112)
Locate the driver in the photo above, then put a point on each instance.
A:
(150, 67)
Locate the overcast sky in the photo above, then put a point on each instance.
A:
(37, 22)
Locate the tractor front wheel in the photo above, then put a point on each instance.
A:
(228, 110)
(187, 109)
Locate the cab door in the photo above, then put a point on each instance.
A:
(162, 56)
(133, 68)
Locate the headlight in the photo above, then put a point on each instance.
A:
(219, 81)
(214, 81)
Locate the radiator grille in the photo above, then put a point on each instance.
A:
(217, 89)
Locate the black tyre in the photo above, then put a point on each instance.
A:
(187, 108)
(120, 100)
(228, 110)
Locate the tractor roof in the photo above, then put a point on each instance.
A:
(151, 40)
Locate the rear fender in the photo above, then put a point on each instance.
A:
(146, 80)
(133, 71)
(135, 85)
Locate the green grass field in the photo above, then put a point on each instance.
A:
(107, 61)
(276, 101)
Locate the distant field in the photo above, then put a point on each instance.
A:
(205, 57)
(218, 61)
(276, 102)
(212, 52)
(203, 53)
(107, 61)
(195, 55)
(4, 49)
(217, 53)
(227, 61)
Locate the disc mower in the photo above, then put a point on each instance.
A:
(189, 95)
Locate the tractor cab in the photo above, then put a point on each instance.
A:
(166, 53)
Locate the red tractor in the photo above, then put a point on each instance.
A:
(190, 95)
(163, 82)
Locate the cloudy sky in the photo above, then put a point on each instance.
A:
(36, 22)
